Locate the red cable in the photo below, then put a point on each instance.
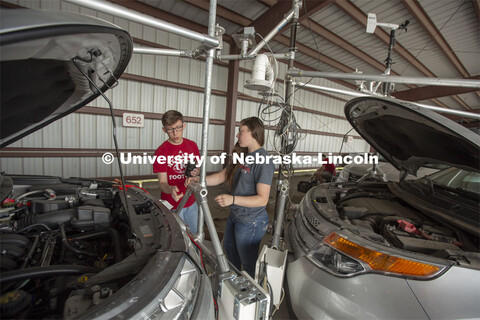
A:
(200, 249)
(132, 186)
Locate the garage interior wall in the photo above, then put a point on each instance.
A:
(73, 146)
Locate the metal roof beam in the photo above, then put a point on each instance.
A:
(429, 92)
(269, 3)
(330, 36)
(222, 12)
(269, 19)
(476, 5)
(315, 54)
(421, 16)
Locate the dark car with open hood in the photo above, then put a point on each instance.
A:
(393, 250)
(75, 247)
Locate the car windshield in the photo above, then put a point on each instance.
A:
(457, 180)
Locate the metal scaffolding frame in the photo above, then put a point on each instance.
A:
(208, 45)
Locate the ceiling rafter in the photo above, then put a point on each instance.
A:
(222, 12)
(421, 16)
(269, 3)
(331, 37)
(317, 6)
(314, 54)
(461, 102)
(476, 5)
(270, 18)
(353, 11)
(440, 103)
(429, 92)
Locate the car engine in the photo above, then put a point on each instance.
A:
(378, 214)
(54, 236)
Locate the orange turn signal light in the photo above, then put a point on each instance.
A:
(380, 261)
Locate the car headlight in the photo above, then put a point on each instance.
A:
(341, 256)
(180, 300)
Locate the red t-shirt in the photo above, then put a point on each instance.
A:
(329, 167)
(175, 169)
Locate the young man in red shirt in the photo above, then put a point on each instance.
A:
(171, 173)
(326, 172)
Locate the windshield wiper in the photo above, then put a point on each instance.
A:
(459, 190)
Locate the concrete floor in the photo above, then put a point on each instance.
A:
(220, 216)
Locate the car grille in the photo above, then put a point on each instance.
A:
(312, 219)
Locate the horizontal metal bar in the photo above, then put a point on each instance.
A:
(122, 12)
(363, 94)
(467, 83)
(162, 52)
(240, 57)
(449, 111)
(332, 90)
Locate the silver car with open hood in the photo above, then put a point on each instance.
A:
(393, 250)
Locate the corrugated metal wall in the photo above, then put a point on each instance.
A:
(93, 132)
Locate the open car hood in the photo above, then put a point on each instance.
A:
(410, 136)
(39, 81)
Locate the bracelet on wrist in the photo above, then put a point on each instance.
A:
(233, 202)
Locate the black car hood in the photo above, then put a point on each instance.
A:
(39, 81)
(410, 136)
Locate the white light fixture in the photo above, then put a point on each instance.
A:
(262, 74)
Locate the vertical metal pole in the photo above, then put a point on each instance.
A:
(288, 107)
(217, 245)
(201, 197)
(388, 63)
(206, 109)
(280, 214)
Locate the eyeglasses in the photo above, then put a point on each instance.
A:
(170, 130)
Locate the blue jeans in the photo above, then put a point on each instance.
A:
(242, 241)
(190, 217)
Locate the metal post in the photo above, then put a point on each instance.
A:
(387, 90)
(201, 196)
(284, 120)
(206, 110)
(280, 214)
(122, 12)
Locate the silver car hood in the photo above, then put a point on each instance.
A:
(409, 136)
(39, 81)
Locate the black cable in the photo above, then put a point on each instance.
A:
(71, 248)
(343, 140)
(117, 152)
(40, 272)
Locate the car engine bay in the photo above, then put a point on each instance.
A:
(62, 241)
(374, 212)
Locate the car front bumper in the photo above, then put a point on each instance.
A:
(317, 294)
